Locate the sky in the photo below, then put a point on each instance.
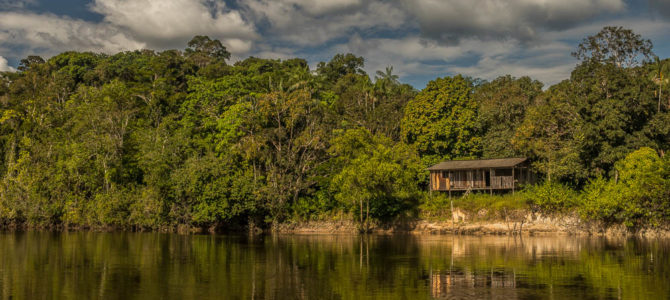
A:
(421, 39)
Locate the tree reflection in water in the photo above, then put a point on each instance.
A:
(86, 265)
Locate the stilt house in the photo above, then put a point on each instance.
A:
(482, 174)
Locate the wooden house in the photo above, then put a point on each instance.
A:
(481, 174)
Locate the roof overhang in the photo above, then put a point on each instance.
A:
(478, 164)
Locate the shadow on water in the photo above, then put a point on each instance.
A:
(87, 265)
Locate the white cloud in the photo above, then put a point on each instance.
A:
(547, 58)
(171, 23)
(4, 66)
(311, 23)
(45, 34)
(420, 38)
(319, 7)
(490, 67)
(452, 20)
(413, 56)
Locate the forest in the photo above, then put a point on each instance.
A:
(158, 140)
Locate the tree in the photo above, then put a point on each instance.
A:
(386, 78)
(551, 135)
(340, 65)
(376, 178)
(285, 142)
(202, 51)
(614, 106)
(616, 45)
(659, 73)
(385, 82)
(502, 105)
(440, 122)
(29, 62)
(637, 197)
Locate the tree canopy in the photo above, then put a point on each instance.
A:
(167, 139)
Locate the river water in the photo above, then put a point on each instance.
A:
(88, 265)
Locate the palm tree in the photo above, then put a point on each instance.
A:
(659, 76)
(385, 80)
(387, 75)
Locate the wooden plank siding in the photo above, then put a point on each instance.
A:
(480, 179)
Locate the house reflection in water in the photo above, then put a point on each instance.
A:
(465, 284)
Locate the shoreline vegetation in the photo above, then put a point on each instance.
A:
(184, 141)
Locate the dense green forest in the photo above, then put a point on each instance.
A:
(158, 140)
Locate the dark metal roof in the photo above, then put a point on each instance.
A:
(478, 164)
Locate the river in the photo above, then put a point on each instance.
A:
(90, 265)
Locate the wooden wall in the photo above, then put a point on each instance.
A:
(476, 179)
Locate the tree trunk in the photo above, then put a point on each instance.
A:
(367, 215)
(660, 92)
(361, 214)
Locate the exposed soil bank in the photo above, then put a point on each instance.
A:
(463, 223)
(530, 224)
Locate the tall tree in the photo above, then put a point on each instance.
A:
(502, 107)
(286, 142)
(616, 45)
(659, 75)
(551, 135)
(202, 51)
(375, 177)
(440, 122)
(340, 65)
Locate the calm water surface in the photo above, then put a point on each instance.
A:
(84, 265)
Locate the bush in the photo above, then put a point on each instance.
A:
(601, 200)
(639, 197)
(493, 204)
(435, 206)
(438, 205)
(550, 197)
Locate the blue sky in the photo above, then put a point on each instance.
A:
(421, 39)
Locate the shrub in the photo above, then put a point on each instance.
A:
(639, 197)
(550, 197)
(438, 205)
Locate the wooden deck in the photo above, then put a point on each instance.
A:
(480, 179)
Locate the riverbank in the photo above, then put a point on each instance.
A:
(529, 224)
(462, 222)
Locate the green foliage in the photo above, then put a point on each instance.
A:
(340, 65)
(492, 205)
(166, 139)
(441, 121)
(616, 45)
(210, 190)
(551, 135)
(550, 197)
(435, 206)
(476, 205)
(502, 107)
(376, 178)
(636, 197)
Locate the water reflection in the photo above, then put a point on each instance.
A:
(38, 265)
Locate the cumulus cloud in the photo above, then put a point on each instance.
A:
(414, 56)
(4, 66)
(452, 20)
(319, 7)
(421, 38)
(547, 64)
(126, 25)
(171, 23)
(46, 34)
(310, 23)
